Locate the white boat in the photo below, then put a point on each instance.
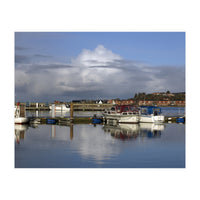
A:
(151, 114)
(34, 121)
(122, 114)
(20, 115)
(60, 107)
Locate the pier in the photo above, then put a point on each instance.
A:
(63, 121)
(76, 107)
(89, 120)
(91, 107)
(176, 118)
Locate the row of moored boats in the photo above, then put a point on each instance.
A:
(20, 116)
(118, 113)
(133, 114)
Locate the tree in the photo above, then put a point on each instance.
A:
(135, 97)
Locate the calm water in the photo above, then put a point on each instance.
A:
(101, 146)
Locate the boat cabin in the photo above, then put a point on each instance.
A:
(148, 110)
(124, 109)
(20, 110)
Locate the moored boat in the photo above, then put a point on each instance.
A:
(150, 114)
(20, 114)
(96, 119)
(122, 114)
(60, 107)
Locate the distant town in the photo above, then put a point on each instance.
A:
(153, 99)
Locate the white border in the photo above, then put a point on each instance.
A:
(103, 15)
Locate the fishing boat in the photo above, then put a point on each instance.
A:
(60, 107)
(20, 114)
(150, 114)
(122, 114)
(96, 119)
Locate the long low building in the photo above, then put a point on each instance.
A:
(148, 103)
(162, 103)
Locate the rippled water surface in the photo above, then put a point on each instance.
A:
(100, 146)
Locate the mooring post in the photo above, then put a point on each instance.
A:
(71, 112)
(71, 131)
(53, 110)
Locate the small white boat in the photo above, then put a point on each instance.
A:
(122, 114)
(60, 107)
(151, 114)
(34, 121)
(20, 115)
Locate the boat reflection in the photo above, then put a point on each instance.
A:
(132, 131)
(122, 131)
(119, 131)
(45, 113)
(151, 130)
(20, 131)
(62, 113)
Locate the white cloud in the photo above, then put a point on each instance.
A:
(99, 57)
(21, 78)
(95, 74)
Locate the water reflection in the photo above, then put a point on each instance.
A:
(122, 131)
(71, 131)
(132, 131)
(44, 113)
(20, 131)
(119, 131)
(151, 130)
(53, 131)
(109, 145)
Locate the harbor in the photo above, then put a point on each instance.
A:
(61, 118)
(99, 133)
(97, 108)
(99, 104)
(89, 120)
(99, 136)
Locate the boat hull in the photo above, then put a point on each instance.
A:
(132, 119)
(21, 120)
(151, 119)
(60, 109)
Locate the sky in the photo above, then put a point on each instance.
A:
(68, 66)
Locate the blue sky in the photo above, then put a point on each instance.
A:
(156, 48)
(99, 62)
